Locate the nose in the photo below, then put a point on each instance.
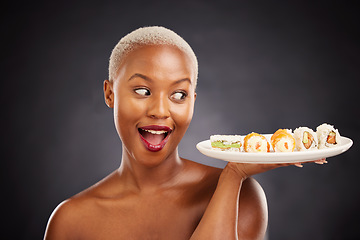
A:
(159, 107)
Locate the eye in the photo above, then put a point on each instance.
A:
(142, 91)
(178, 96)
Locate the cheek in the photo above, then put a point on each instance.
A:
(126, 114)
(129, 108)
(182, 114)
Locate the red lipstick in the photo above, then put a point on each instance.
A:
(154, 137)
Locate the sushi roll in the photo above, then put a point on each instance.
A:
(305, 139)
(229, 143)
(327, 135)
(255, 143)
(282, 141)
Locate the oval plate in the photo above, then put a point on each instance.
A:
(275, 157)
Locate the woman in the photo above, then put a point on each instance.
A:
(155, 194)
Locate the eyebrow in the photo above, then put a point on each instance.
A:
(140, 76)
(150, 80)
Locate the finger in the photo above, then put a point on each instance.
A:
(321, 161)
(298, 165)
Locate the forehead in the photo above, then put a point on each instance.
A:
(158, 62)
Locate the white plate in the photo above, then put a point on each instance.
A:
(275, 157)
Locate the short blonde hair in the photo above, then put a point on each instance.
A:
(153, 35)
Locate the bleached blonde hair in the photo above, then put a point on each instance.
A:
(153, 35)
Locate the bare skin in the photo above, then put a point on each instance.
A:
(155, 194)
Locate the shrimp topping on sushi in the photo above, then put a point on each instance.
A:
(282, 141)
(255, 142)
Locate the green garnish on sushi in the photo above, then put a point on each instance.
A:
(221, 144)
(231, 143)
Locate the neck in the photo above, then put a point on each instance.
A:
(145, 177)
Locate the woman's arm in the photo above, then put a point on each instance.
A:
(238, 208)
(230, 211)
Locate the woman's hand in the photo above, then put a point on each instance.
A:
(246, 170)
(321, 161)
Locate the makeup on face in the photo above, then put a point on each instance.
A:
(154, 137)
(154, 98)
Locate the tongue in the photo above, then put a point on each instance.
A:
(154, 139)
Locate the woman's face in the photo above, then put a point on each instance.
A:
(153, 98)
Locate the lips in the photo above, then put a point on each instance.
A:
(154, 137)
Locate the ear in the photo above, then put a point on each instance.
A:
(108, 93)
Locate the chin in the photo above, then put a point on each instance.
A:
(153, 159)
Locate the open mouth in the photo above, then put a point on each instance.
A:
(154, 137)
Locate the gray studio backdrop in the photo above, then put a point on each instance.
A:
(262, 66)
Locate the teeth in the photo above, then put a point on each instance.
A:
(156, 131)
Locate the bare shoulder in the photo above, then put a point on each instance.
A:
(251, 195)
(253, 212)
(201, 181)
(71, 214)
(62, 220)
(203, 172)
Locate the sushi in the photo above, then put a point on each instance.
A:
(229, 143)
(255, 142)
(282, 141)
(305, 139)
(327, 135)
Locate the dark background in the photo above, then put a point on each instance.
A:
(262, 66)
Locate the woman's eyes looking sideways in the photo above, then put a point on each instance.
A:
(142, 91)
(178, 95)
